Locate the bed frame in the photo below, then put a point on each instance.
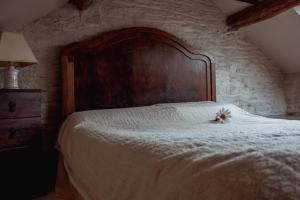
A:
(126, 68)
(134, 67)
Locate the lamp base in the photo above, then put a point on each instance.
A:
(11, 78)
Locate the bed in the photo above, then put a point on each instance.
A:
(140, 107)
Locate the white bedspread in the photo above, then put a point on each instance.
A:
(174, 152)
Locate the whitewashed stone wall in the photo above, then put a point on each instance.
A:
(292, 92)
(245, 76)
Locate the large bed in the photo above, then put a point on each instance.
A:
(140, 108)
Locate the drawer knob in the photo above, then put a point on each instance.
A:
(12, 106)
(12, 133)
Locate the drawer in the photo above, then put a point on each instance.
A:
(18, 132)
(20, 104)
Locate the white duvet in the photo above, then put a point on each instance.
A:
(174, 152)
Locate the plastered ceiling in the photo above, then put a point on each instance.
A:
(16, 13)
(278, 37)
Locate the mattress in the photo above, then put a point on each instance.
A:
(177, 152)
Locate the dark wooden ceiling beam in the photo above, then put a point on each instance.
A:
(82, 4)
(259, 12)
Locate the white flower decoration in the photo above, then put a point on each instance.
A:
(223, 115)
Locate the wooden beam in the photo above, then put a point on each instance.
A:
(259, 12)
(82, 4)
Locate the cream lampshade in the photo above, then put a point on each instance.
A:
(14, 53)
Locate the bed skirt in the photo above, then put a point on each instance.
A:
(64, 190)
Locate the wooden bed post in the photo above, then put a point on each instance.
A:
(68, 95)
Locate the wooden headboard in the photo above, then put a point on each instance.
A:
(134, 67)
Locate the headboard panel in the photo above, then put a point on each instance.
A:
(134, 67)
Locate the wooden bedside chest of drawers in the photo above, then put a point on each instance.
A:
(20, 117)
(23, 170)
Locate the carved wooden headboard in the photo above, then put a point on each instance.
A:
(134, 67)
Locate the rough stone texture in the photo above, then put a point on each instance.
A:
(245, 76)
(292, 93)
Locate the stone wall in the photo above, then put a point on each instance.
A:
(292, 93)
(245, 76)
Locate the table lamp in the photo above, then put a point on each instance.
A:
(14, 53)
